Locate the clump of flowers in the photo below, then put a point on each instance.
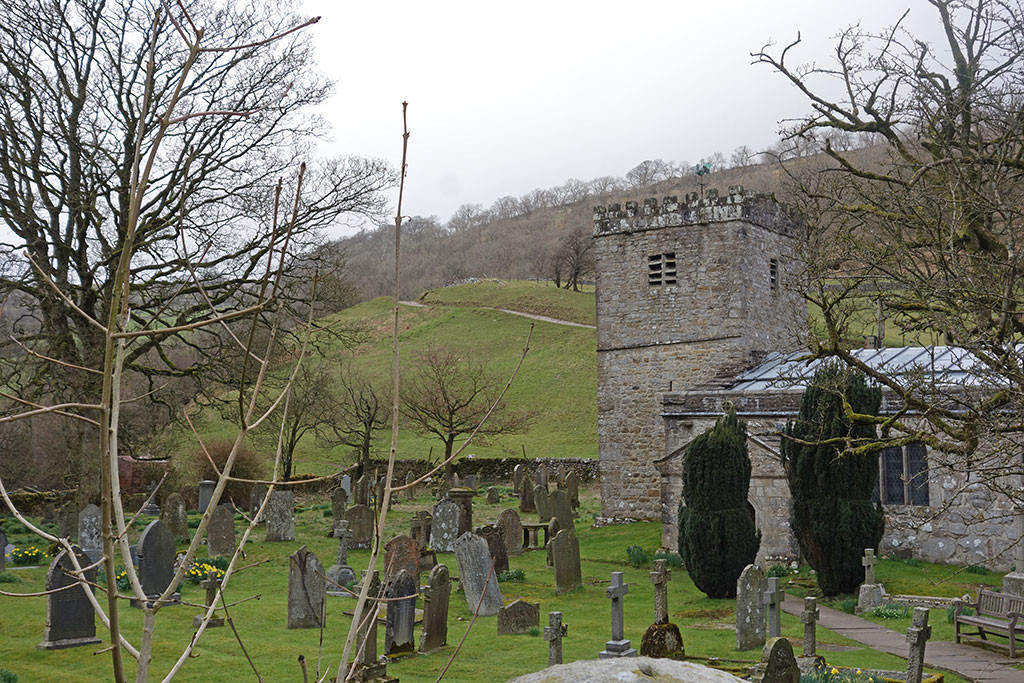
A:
(24, 557)
(200, 571)
(830, 674)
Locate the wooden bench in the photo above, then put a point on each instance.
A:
(995, 613)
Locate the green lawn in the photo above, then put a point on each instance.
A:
(706, 624)
(539, 298)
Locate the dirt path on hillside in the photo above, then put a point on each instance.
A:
(532, 316)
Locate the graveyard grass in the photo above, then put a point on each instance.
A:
(706, 624)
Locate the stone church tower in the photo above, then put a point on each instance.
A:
(688, 295)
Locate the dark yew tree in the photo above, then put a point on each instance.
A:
(834, 518)
(717, 537)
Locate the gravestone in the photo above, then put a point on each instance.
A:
(492, 496)
(773, 597)
(67, 521)
(662, 638)
(346, 483)
(526, 499)
(339, 503)
(420, 528)
(369, 668)
(558, 505)
(518, 617)
(917, 637)
(464, 499)
(256, 497)
(378, 492)
(572, 487)
(410, 492)
(618, 646)
(363, 491)
(442, 488)
(402, 554)
(512, 531)
(401, 613)
(212, 587)
(307, 590)
(206, 488)
(809, 618)
(477, 580)
(70, 620)
(553, 633)
(870, 595)
(444, 527)
(517, 478)
(565, 553)
(868, 562)
(151, 508)
(90, 532)
(471, 482)
(750, 608)
(340, 574)
(156, 560)
(456, 482)
(360, 523)
(560, 476)
(434, 632)
(540, 499)
(220, 533)
(778, 663)
(175, 516)
(553, 529)
(280, 517)
(542, 476)
(495, 546)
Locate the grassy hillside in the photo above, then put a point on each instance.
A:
(539, 298)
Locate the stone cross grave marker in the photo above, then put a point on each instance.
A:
(340, 574)
(70, 618)
(420, 528)
(151, 508)
(518, 617)
(659, 579)
(220, 533)
(553, 633)
(401, 613)
(410, 493)
(156, 560)
(662, 638)
(572, 487)
(478, 582)
(540, 499)
(492, 496)
(870, 594)
(917, 636)
(773, 597)
(558, 505)
(618, 646)
(339, 503)
(495, 538)
(809, 618)
(750, 608)
(526, 499)
(434, 633)
(280, 517)
(565, 554)
(256, 497)
(869, 561)
(778, 663)
(206, 488)
(512, 531)
(517, 478)
(444, 526)
(402, 554)
(175, 516)
(360, 523)
(67, 521)
(306, 590)
(212, 587)
(90, 530)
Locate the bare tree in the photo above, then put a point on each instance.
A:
(605, 184)
(578, 256)
(363, 409)
(648, 172)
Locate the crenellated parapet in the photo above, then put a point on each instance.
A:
(737, 204)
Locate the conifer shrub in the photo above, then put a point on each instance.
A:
(834, 519)
(717, 537)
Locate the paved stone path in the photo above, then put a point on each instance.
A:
(974, 663)
(532, 316)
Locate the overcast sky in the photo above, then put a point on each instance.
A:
(508, 97)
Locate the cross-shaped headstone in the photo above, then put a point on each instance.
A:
(342, 533)
(618, 646)
(553, 633)
(212, 586)
(660, 578)
(917, 636)
(773, 598)
(809, 618)
(869, 560)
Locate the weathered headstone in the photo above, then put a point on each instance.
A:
(870, 594)
(90, 532)
(540, 499)
(662, 638)
(478, 582)
(175, 516)
(420, 528)
(553, 528)
(363, 490)
(518, 617)
(809, 618)
(778, 663)
(565, 553)
(517, 478)
(346, 483)
(67, 521)
(220, 533)
(340, 574)
(512, 531)
(471, 482)
(558, 505)
(280, 517)
(369, 668)
(151, 508)
(526, 500)
(456, 481)
(464, 498)
(256, 497)
(402, 554)
(773, 597)
(360, 523)
(307, 590)
(572, 487)
(560, 475)
(917, 637)
(492, 496)
(410, 492)
(378, 492)
(444, 527)
(156, 559)
(339, 503)
(618, 646)
(868, 562)
(401, 613)
(206, 488)
(212, 587)
(434, 633)
(542, 476)
(70, 620)
(496, 546)
(553, 633)
(750, 609)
